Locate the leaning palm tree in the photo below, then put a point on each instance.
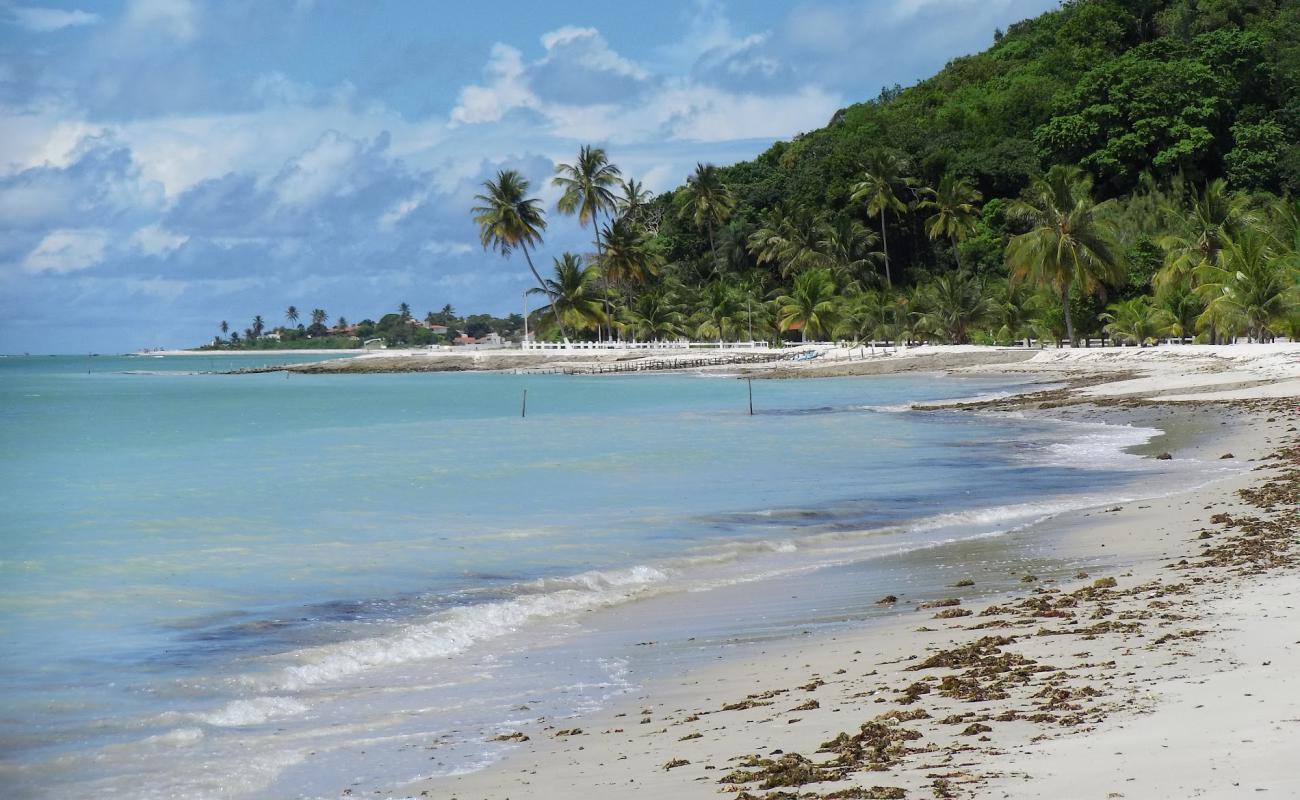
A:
(291, 314)
(954, 209)
(1067, 245)
(587, 186)
(1254, 289)
(509, 219)
(881, 178)
(1136, 321)
(575, 300)
(708, 202)
(812, 305)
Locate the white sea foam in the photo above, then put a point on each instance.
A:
(252, 711)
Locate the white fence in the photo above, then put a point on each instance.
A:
(616, 346)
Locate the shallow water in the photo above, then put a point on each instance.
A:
(195, 568)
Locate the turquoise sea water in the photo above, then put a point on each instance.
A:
(260, 586)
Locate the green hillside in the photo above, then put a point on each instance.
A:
(1133, 162)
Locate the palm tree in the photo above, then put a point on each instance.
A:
(847, 246)
(811, 306)
(1255, 288)
(871, 316)
(447, 314)
(791, 241)
(955, 213)
(654, 316)
(631, 254)
(720, 311)
(1067, 245)
(1199, 230)
(234, 337)
(404, 311)
(291, 314)
(430, 319)
(318, 317)
(708, 202)
(258, 326)
(509, 219)
(1180, 301)
(631, 204)
(1137, 321)
(572, 292)
(587, 192)
(957, 302)
(883, 173)
(225, 327)
(341, 323)
(1017, 308)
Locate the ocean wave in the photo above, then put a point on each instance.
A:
(458, 629)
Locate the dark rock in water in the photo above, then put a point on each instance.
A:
(887, 600)
(1163, 457)
(1225, 455)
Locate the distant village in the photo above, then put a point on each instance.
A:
(398, 329)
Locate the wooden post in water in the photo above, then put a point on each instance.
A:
(523, 408)
(750, 381)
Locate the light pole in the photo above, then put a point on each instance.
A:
(525, 297)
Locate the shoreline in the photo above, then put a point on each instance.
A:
(971, 733)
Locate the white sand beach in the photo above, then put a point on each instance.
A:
(1172, 675)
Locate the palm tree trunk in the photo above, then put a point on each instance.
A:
(956, 255)
(713, 251)
(541, 283)
(884, 243)
(595, 224)
(1069, 323)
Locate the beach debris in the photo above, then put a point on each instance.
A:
(963, 583)
(516, 736)
(887, 600)
(1164, 457)
(975, 729)
(951, 601)
(1225, 455)
(568, 732)
(810, 705)
(675, 763)
(690, 736)
(791, 769)
(1104, 583)
(950, 613)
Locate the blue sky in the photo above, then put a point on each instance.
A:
(167, 164)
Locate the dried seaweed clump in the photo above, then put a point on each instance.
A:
(878, 745)
(791, 769)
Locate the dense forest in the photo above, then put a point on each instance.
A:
(1122, 168)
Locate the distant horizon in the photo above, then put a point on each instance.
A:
(173, 163)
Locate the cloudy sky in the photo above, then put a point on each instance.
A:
(167, 164)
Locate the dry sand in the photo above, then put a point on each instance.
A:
(1179, 679)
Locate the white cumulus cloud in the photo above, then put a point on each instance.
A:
(67, 250)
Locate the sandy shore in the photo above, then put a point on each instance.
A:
(1176, 674)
